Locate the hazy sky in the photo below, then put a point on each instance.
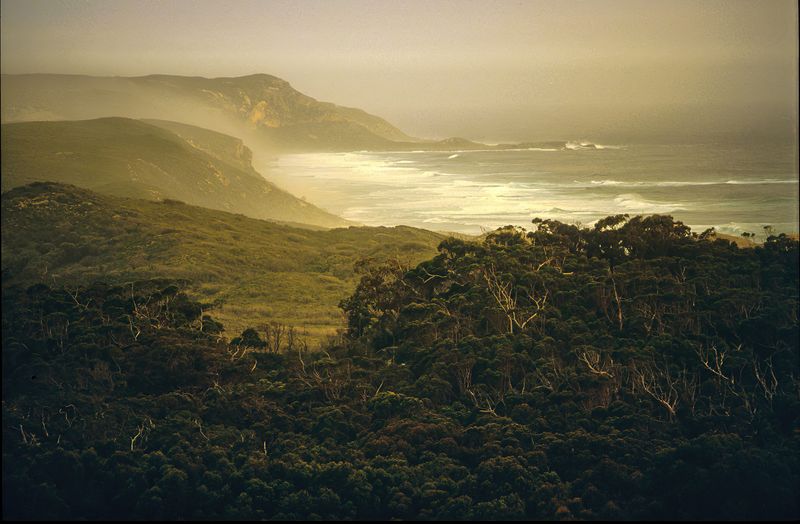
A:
(483, 69)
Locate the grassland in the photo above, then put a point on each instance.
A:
(255, 271)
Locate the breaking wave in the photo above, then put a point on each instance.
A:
(682, 183)
(486, 189)
(583, 145)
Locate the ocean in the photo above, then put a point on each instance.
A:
(735, 189)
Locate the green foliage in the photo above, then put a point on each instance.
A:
(629, 371)
(254, 271)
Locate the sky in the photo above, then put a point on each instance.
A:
(488, 70)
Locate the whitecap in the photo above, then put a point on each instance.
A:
(636, 203)
(607, 182)
(764, 181)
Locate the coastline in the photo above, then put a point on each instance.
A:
(477, 191)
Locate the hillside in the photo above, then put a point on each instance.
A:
(260, 272)
(124, 157)
(268, 102)
(630, 371)
(221, 146)
(262, 108)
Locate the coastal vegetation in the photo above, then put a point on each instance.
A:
(254, 272)
(630, 370)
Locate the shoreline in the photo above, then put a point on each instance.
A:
(472, 193)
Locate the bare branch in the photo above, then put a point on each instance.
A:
(660, 385)
(592, 360)
(135, 437)
(766, 377)
(713, 360)
(200, 427)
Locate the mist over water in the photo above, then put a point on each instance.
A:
(629, 71)
(734, 188)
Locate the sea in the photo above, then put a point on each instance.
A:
(733, 188)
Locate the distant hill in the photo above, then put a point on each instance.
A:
(270, 103)
(130, 158)
(263, 107)
(259, 271)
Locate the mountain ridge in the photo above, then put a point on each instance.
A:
(260, 106)
(263, 109)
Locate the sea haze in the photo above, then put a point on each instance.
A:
(735, 188)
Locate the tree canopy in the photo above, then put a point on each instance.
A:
(632, 370)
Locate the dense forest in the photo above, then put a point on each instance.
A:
(630, 370)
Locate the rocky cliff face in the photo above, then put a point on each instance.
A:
(266, 101)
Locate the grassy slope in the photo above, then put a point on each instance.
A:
(130, 158)
(261, 271)
(224, 147)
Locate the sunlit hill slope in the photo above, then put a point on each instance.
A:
(124, 157)
(257, 271)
